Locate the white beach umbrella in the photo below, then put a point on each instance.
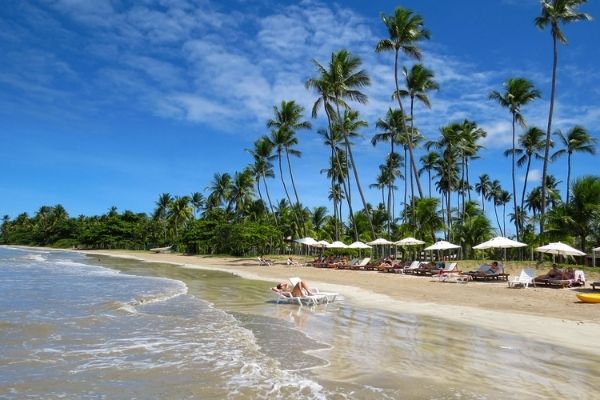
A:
(560, 249)
(359, 245)
(499, 242)
(323, 243)
(442, 245)
(379, 242)
(308, 241)
(337, 245)
(408, 241)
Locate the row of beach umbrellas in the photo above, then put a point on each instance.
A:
(500, 242)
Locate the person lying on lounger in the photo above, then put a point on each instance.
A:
(492, 269)
(299, 290)
(290, 261)
(554, 273)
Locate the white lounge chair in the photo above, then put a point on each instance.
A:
(361, 264)
(524, 279)
(412, 267)
(313, 299)
(161, 249)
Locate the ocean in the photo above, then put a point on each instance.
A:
(80, 327)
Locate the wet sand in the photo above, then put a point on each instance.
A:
(544, 314)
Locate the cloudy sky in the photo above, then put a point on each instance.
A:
(110, 103)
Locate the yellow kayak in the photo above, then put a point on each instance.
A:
(589, 297)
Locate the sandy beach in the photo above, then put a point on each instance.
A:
(544, 314)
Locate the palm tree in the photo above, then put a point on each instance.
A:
(484, 188)
(318, 217)
(577, 140)
(584, 206)
(344, 80)
(179, 213)
(242, 191)
(555, 13)
(405, 29)
(429, 162)
(391, 130)
(518, 92)
(220, 189)
(503, 199)
(197, 200)
(288, 119)
(262, 168)
(470, 134)
(531, 145)
(419, 81)
(495, 194)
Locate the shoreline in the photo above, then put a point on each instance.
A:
(542, 314)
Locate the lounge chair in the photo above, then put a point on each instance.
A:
(412, 267)
(578, 280)
(484, 273)
(362, 263)
(525, 278)
(594, 284)
(262, 261)
(316, 297)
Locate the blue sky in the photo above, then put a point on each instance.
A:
(108, 103)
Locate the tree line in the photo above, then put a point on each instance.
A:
(239, 216)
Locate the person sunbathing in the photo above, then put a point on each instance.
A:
(338, 262)
(290, 261)
(569, 274)
(554, 273)
(491, 269)
(299, 290)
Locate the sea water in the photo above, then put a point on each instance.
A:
(79, 327)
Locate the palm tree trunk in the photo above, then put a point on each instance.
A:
(405, 176)
(348, 190)
(360, 191)
(410, 148)
(525, 183)
(285, 187)
(569, 176)
(514, 183)
(504, 217)
(287, 155)
(468, 180)
(498, 220)
(270, 204)
(429, 175)
(548, 130)
(449, 212)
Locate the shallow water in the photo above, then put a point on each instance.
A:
(78, 327)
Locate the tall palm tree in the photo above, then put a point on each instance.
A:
(470, 134)
(405, 30)
(391, 130)
(518, 92)
(419, 81)
(584, 206)
(484, 188)
(495, 194)
(577, 140)
(429, 162)
(262, 168)
(318, 217)
(288, 120)
(555, 13)
(344, 80)
(531, 144)
(503, 199)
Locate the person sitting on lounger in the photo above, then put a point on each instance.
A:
(299, 290)
(569, 274)
(554, 273)
(290, 261)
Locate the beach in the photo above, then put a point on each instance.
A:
(125, 324)
(545, 314)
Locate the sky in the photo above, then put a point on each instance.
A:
(111, 103)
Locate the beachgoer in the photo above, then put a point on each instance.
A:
(568, 274)
(554, 273)
(299, 290)
(290, 261)
(492, 269)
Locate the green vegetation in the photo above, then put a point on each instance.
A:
(235, 218)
